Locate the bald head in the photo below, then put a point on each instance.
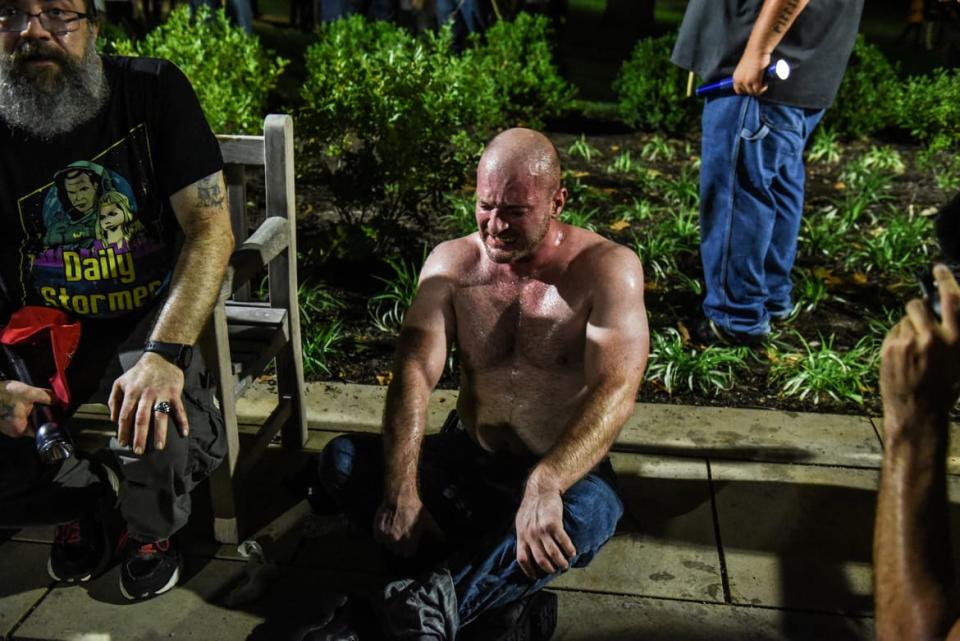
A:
(523, 152)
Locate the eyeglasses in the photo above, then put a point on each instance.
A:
(56, 21)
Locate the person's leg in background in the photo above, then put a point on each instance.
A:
(788, 191)
(747, 143)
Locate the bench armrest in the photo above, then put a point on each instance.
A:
(266, 243)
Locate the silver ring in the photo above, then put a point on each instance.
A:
(163, 407)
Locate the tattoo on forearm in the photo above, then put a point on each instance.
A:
(7, 410)
(783, 20)
(209, 192)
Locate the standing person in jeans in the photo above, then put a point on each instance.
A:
(552, 335)
(752, 170)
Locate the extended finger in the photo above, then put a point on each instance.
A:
(565, 543)
(555, 554)
(125, 418)
(141, 425)
(542, 558)
(40, 395)
(949, 297)
(921, 316)
(160, 420)
(180, 416)
(114, 403)
(525, 562)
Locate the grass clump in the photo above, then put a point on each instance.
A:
(817, 370)
(709, 370)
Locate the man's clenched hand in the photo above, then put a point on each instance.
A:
(400, 524)
(750, 75)
(16, 403)
(542, 544)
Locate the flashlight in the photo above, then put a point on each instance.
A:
(780, 70)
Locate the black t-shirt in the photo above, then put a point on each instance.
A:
(714, 34)
(87, 222)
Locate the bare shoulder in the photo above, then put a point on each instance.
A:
(606, 263)
(453, 259)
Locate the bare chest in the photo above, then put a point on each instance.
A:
(529, 324)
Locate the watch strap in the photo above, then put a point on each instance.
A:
(177, 353)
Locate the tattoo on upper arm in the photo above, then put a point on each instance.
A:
(780, 26)
(209, 192)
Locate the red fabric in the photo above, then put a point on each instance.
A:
(30, 324)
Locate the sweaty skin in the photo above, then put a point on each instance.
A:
(552, 334)
(919, 378)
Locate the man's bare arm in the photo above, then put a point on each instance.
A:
(775, 19)
(913, 573)
(428, 329)
(616, 356)
(201, 210)
(617, 347)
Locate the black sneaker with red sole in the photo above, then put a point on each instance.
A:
(148, 568)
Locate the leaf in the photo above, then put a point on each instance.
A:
(619, 225)
(839, 185)
(385, 378)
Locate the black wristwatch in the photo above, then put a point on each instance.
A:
(176, 353)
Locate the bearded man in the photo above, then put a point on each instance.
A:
(551, 332)
(133, 126)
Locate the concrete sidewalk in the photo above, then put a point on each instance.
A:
(740, 524)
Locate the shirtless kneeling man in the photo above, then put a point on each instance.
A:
(551, 332)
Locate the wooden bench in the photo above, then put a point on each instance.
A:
(245, 335)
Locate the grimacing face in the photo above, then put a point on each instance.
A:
(81, 191)
(513, 214)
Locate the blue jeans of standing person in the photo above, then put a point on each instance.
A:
(473, 495)
(240, 12)
(751, 204)
(374, 9)
(467, 16)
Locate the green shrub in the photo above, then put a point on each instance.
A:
(516, 56)
(930, 107)
(392, 122)
(389, 121)
(869, 94)
(229, 69)
(651, 89)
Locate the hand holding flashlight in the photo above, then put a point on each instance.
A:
(780, 70)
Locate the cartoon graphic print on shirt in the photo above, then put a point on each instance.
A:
(88, 246)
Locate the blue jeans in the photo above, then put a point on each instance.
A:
(240, 12)
(474, 496)
(374, 9)
(751, 204)
(468, 16)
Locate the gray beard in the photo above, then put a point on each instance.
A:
(46, 107)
